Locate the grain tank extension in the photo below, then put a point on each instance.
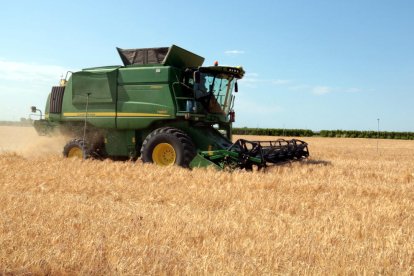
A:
(161, 106)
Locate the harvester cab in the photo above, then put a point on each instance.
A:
(213, 86)
(163, 106)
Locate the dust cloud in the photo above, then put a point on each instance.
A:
(26, 142)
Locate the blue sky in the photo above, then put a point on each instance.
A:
(310, 64)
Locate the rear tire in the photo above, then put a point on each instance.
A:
(77, 148)
(168, 146)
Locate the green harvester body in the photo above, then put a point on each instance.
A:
(115, 111)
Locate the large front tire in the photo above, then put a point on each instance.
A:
(168, 146)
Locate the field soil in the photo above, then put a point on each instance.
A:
(349, 209)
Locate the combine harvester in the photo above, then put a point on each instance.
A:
(162, 106)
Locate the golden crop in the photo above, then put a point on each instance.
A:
(348, 210)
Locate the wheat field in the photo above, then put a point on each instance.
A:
(348, 210)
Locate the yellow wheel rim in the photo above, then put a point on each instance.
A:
(75, 152)
(164, 154)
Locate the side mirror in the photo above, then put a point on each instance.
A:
(236, 87)
(34, 110)
(197, 77)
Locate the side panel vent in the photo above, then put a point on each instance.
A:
(56, 99)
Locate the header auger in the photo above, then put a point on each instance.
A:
(163, 106)
(245, 154)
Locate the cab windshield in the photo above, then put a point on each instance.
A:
(217, 88)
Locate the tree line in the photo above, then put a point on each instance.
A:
(22, 122)
(367, 134)
(324, 133)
